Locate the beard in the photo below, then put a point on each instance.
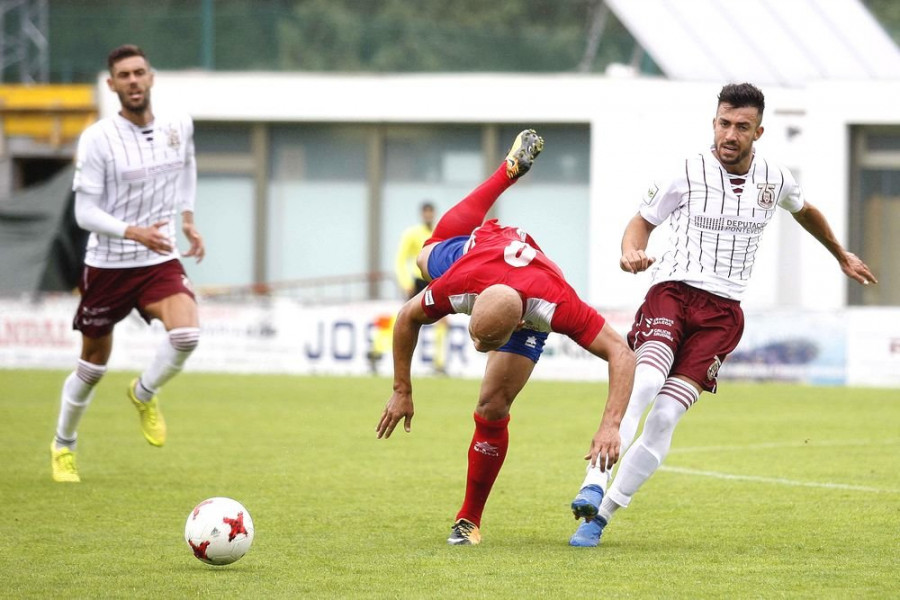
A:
(738, 158)
(129, 106)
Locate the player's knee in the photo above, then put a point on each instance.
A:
(494, 407)
(646, 389)
(663, 417)
(185, 339)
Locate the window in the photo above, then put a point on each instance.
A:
(318, 207)
(334, 199)
(224, 216)
(875, 213)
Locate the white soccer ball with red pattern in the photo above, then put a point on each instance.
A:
(219, 531)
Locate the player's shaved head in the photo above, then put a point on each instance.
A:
(496, 314)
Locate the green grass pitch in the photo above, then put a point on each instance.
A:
(770, 491)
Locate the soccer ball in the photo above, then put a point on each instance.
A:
(219, 531)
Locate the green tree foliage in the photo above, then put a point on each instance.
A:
(379, 36)
(435, 35)
(334, 35)
(888, 14)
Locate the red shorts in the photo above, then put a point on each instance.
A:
(109, 295)
(702, 329)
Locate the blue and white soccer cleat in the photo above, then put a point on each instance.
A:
(588, 533)
(587, 502)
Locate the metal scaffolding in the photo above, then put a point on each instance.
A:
(24, 47)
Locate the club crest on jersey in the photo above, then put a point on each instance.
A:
(766, 198)
(174, 138)
(651, 193)
(713, 369)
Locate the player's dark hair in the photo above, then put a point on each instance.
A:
(122, 52)
(740, 95)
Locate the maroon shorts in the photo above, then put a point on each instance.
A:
(109, 295)
(701, 328)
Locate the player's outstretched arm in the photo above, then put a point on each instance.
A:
(813, 221)
(634, 245)
(406, 335)
(606, 444)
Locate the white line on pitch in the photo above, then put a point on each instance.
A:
(797, 444)
(777, 480)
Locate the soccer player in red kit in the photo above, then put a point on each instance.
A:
(515, 296)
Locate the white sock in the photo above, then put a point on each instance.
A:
(597, 477)
(637, 466)
(168, 362)
(649, 451)
(77, 392)
(654, 359)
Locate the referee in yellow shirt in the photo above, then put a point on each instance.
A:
(410, 279)
(408, 276)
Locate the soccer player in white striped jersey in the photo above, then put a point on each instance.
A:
(718, 204)
(135, 171)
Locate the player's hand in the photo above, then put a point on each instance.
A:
(605, 448)
(152, 237)
(197, 249)
(400, 406)
(854, 268)
(635, 261)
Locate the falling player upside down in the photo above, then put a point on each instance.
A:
(515, 296)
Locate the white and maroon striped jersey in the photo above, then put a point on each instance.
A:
(142, 175)
(716, 220)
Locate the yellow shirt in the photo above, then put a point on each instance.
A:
(411, 243)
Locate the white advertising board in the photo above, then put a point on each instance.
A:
(873, 347)
(853, 346)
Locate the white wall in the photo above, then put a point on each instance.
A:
(636, 125)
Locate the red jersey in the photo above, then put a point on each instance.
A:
(507, 255)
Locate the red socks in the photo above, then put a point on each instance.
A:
(469, 213)
(486, 454)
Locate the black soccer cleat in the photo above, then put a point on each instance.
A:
(526, 147)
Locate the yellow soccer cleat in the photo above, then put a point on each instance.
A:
(153, 425)
(526, 147)
(63, 463)
(464, 533)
